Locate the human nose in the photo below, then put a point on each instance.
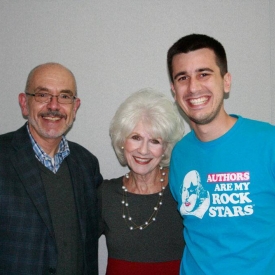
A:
(53, 102)
(143, 149)
(194, 85)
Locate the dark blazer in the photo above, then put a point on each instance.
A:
(27, 242)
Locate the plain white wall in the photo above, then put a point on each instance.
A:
(117, 47)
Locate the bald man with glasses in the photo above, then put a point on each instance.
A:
(48, 205)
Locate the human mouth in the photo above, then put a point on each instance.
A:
(52, 116)
(198, 101)
(142, 160)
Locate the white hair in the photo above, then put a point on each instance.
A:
(155, 110)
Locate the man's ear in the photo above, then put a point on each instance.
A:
(227, 82)
(76, 105)
(23, 102)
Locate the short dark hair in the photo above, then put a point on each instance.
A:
(194, 42)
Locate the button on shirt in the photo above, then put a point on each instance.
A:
(54, 163)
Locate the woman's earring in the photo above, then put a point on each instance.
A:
(162, 156)
(122, 148)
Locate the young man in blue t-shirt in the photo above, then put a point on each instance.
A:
(222, 173)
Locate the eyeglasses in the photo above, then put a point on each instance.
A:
(46, 97)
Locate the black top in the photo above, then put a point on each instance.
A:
(161, 241)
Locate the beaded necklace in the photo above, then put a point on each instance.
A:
(125, 206)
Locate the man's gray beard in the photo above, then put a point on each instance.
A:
(38, 129)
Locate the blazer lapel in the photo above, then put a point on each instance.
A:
(25, 164)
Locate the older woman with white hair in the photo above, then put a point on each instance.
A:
(139, 217)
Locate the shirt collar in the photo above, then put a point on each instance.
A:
(51, 163)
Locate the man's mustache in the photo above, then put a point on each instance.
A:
(52, 114)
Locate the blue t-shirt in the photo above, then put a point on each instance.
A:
(225, 191)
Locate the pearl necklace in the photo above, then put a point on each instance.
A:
(125, 206)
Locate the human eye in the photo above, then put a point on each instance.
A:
(202, 75)
(42, 95)
(205, 73)
(135, 137)
(64, 96)
(155, 141)
(182, 78)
